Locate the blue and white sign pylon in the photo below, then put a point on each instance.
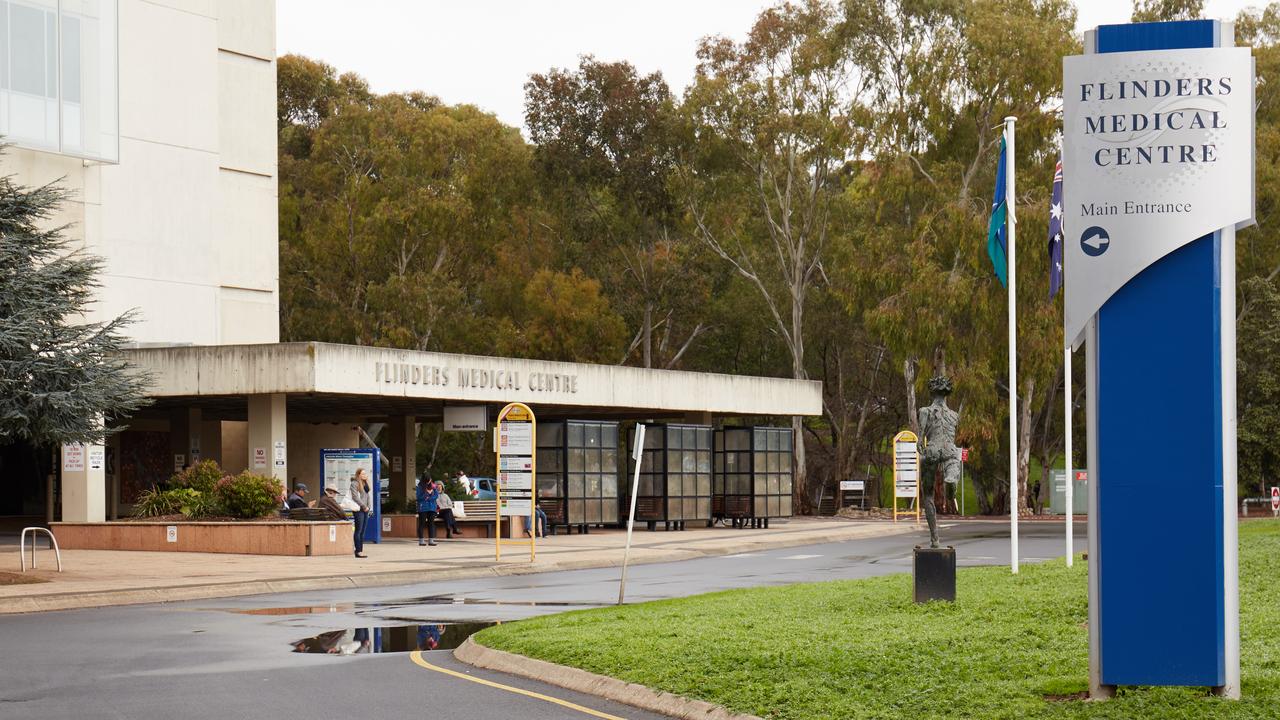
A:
(1158, 165)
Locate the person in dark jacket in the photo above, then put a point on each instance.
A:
(428, 505)
(296, 500)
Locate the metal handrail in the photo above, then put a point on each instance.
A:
(1244, 504)
(22, 547)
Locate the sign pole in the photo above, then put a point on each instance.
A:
(497, 491)
(1010, 197)
(1066, 442)
(637, 452)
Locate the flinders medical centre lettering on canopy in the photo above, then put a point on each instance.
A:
(1157, 151)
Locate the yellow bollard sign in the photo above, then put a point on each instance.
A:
(514, 444)
(906, 473)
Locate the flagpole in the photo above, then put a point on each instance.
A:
(1012, 220)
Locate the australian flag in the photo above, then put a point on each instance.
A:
(1055, 232)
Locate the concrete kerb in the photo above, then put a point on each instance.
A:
(640, 696)
(178, 593)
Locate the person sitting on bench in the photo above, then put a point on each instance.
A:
(329, 503)
(296, 500)
(444, 506)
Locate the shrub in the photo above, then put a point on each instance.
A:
(185, 501)
(248, 495)
(201, 477)
(152, 503)
(196, 504)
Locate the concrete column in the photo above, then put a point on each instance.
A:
(84, 483)
(402, 450)
(698, 418)
(185, 425)
(211, 441)
(268, 433)
(113, 477)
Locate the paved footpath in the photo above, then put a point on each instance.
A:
(97, 578)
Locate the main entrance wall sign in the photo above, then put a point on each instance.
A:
(1158, 151)
(471, 377)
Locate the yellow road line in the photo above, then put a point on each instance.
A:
(418, 659)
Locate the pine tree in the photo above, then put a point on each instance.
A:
(61, 378)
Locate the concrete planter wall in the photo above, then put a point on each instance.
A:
(245, 538)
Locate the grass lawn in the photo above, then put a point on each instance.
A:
(861, 649)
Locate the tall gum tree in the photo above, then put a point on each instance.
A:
(774, 120)
(944, 76)
(604, 148)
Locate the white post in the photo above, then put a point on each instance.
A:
(637, 452)
(1012, 220)
(1230, 529)
(1066, 442)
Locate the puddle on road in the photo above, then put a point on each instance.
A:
(300, 610)
(359, 607)
(391, 638)
(450, 600)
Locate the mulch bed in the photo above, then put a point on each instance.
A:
(184, 518)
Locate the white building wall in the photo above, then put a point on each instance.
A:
(187, 220)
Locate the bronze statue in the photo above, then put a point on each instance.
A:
(938, 449)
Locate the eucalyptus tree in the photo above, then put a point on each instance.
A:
(773, 122)
(943, 77)
(394, 219)
(604, 148)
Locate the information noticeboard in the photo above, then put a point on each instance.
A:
(513, 444)
(338, 466)
(906, 472)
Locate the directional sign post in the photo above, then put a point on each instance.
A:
(637, 454)
(513, 442)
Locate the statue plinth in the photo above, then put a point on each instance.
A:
(934, 572)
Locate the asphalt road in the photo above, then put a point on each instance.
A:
(234, 658)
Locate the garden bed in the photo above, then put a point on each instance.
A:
(270, 536)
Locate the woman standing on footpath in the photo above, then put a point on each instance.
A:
(360, 496)
(428, 504)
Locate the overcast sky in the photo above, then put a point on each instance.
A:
(482, 51)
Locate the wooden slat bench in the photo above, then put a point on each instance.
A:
(480, 513)
(309, 513)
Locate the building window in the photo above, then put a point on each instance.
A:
(58, 83)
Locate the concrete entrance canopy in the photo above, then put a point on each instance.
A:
(300, 397)
(328, 382)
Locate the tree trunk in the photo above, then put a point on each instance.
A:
(909, 367)
(648, 335)
(1024, 444)
(799, 490)
(1046, 484)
